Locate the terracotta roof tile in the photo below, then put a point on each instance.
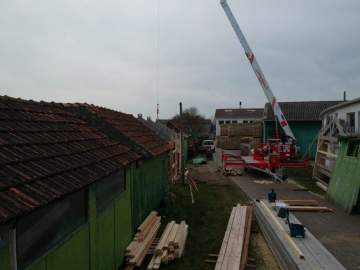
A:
(47, 152)
(127, 125)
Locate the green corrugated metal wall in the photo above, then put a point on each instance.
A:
(5, 250)
(149, 187)
(100, 243)
(305, 133)
(344, 184)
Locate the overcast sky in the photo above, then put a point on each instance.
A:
(126, 54)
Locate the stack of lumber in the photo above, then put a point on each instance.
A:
(234, 249)
(292, 253)
(144, 237)
(234, 135)
(242, 130)
(171, 244)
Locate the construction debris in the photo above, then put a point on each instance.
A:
(143, 240)
(292, 253)
(234, 249)
(171, 244)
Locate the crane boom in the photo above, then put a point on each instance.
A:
(258, 72)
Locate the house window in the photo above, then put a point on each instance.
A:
(350, 121)
(108, 189)
(353, 148)
(234, 121)
(43, 229)
(245, 121)
(227, 121)
(221, 122)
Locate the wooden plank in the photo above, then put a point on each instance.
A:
(310, 209)
(245, 251)
(225, 240)
(159, 248)
(145, 245)
(172, 235)
(327, 154)
(301, 202)
(183, 241)
(146, 221)
(238, 234)
(179, 234)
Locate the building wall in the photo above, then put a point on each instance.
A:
(232, 120)
(344, 184)
(305, 133)
(150, 185)
(341, 113)
(5, 256)
(101, 241)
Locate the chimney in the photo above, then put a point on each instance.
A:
(344, 95)
(139, 116)
(240, 104)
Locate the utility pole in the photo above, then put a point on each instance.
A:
(182, 165)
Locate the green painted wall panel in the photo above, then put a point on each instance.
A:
(149, 186)
(100, 244)
(305, 133)
(123, 226)
(114, 230)
(73, 254)
(344, 184)
(39, 265)
(5, 250)
(106, 239)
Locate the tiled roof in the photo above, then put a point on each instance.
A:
(300, 110)
(127, 125)
(250, 113)
(46, 153)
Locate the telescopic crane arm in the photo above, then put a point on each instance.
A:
(258, 72)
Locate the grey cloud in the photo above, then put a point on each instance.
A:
(105, 52)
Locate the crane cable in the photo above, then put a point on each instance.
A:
(157, 60)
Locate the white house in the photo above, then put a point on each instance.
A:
(342, 119)
(232, 116)
(348, 114)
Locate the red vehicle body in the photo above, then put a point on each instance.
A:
(268, 158)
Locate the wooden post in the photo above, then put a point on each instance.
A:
(182, 157)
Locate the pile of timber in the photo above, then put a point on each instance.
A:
(171, 244)
(239, 136)
(143, 239)
(292, 253)
(234, 249)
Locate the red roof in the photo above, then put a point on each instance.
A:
(131, 127)
(46, 153)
